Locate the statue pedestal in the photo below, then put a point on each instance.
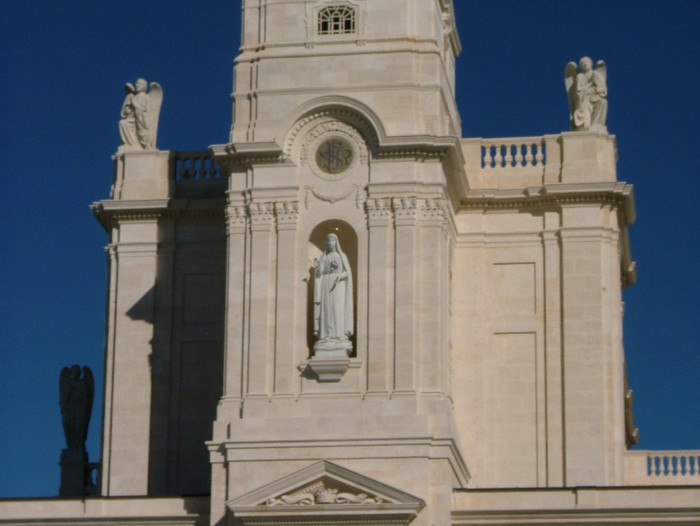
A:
(74, 466)
(331, 359)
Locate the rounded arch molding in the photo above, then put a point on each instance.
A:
(344, 109)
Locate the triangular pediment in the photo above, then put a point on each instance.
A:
(325, 493)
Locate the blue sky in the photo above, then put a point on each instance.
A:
(64, 65)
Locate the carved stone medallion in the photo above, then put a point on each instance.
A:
(334, 156)
(333, 151)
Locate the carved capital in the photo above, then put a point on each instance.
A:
(287, 213)
(405, 209)
(236, 217)
(432, 208)
(262, 215)
(379, 210)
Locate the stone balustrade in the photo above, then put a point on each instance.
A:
(519, 152)
(656, 468)
(519, 162)
(194, 166)
(196, 175)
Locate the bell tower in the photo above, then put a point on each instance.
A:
(344, 170)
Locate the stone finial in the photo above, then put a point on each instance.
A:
(587, 91)
(138, 126)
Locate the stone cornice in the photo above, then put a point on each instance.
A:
(589, 516)
(555, 195)
(109, 211)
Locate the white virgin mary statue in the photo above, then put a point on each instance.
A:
(333, 316)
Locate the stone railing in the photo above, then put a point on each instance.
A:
(662, 468)
(512, 161)
(196, 175)
(520, 162)
(521, 152)
(194, 166)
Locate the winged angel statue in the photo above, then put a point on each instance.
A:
(587, 90)
(139, 118)
(75, 397)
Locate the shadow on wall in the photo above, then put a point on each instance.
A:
(186, 370)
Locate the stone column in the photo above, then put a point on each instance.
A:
(380, 289)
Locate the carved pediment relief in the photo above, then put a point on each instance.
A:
(325, 493)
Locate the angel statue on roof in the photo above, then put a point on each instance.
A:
(75, 398)
(587, 90)
(139, 117)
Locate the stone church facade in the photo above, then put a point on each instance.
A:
(482, 380)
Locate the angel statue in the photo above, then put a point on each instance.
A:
(587, 90)
(76, 395)
(333, 304)
(139, 123)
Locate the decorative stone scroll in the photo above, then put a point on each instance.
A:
(587, 91)
(323, 492)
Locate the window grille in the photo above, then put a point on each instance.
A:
(336, 20)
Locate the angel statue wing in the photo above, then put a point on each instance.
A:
(63, 387)
(602, 69)
(89, 397)
(129, 88)
(155, 99)
(570, 72)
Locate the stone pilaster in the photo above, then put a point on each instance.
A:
(287, 214)
(432, 346)
(554, 475)
(584, 358)
(262, 298)
(126, 455)
(236, 227)
(406, 271)
(380, 330)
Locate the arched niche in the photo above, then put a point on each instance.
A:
(347, 237)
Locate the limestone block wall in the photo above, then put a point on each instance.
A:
(409, 80)
(392, 214)
(540, 262)
(165, 320)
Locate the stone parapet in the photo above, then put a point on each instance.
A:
(519, 162)
(662, 468)
(193, 511)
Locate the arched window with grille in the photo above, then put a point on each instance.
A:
(336, 20)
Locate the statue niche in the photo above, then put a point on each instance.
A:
(331, 291)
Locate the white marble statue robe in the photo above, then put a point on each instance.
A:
(333, 301)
